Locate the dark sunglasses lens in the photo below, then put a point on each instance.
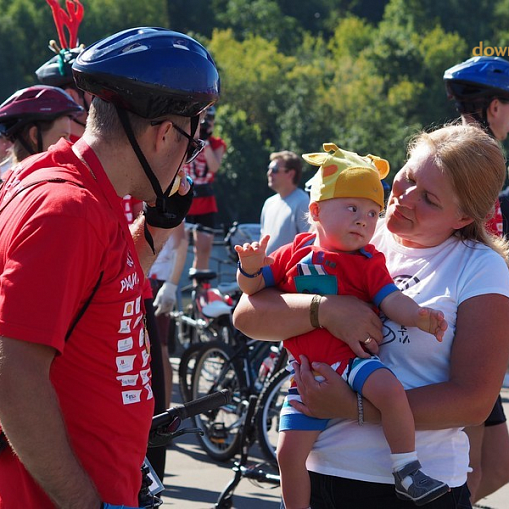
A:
(193, 149)
(274, 168)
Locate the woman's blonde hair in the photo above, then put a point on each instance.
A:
(475, 165)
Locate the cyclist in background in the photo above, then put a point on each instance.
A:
(35, 118)
(203, 171)
(76, 423)
(480, 88)
(57, 71)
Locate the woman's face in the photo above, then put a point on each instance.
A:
(422, 209)
(61, 128)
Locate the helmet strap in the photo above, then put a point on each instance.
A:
(161, 197)
(25, 144)
(86, 105)
(479, 112)
(82, 124)
(39, 139)
(482, 118)
(126, 124)
(156, 186)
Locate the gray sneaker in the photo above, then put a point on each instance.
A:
(423, 489)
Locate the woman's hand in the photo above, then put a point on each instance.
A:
(353, 321)
(329, 399)
(270, 315)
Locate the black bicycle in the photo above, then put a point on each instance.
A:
(256, 473)
(164, 428)
(250, 367)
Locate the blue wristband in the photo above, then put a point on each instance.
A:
(244, 273)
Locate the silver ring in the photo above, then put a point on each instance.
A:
(366, 341)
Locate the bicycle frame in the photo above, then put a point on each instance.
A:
(225, 499)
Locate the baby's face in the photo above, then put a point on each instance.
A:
(346, 224)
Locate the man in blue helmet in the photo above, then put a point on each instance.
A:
(75, 395)
(480, 88)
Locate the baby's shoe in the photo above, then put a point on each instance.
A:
(422, 490)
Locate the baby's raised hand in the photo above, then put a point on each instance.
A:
(252, 255)
(432, 321)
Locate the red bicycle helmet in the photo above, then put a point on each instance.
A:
(32, 104)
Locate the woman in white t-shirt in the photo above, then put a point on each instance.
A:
(438, 253)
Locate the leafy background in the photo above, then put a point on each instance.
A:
(365, 74)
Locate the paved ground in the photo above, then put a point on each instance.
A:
(193, 481)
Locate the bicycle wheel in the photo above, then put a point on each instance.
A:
(217, 368)
(267, 413)
(186, 370)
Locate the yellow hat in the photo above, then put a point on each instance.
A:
(344, 174)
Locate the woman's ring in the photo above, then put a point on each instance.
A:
(366, 341)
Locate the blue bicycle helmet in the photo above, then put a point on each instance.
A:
(149, 71)
(478, 79)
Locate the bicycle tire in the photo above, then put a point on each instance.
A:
(267, 413)
(217, 368)
(186, 370)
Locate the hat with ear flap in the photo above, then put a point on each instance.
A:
(344, 174)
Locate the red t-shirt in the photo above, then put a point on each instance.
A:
(304, 268)
(55, 241)
(495, 225)
(203, 179)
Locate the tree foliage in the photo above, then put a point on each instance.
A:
(365, 74)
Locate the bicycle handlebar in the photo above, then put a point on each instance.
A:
(192, 408)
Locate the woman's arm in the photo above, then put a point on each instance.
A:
(213, 157)
(273, 316)
(479, 360)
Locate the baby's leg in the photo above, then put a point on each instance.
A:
(292, 451)
(385, 391)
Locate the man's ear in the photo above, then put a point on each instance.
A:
(164, 135)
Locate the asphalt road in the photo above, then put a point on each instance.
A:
(194, 481)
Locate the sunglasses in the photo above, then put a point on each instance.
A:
(194, 145)
(275, 168)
